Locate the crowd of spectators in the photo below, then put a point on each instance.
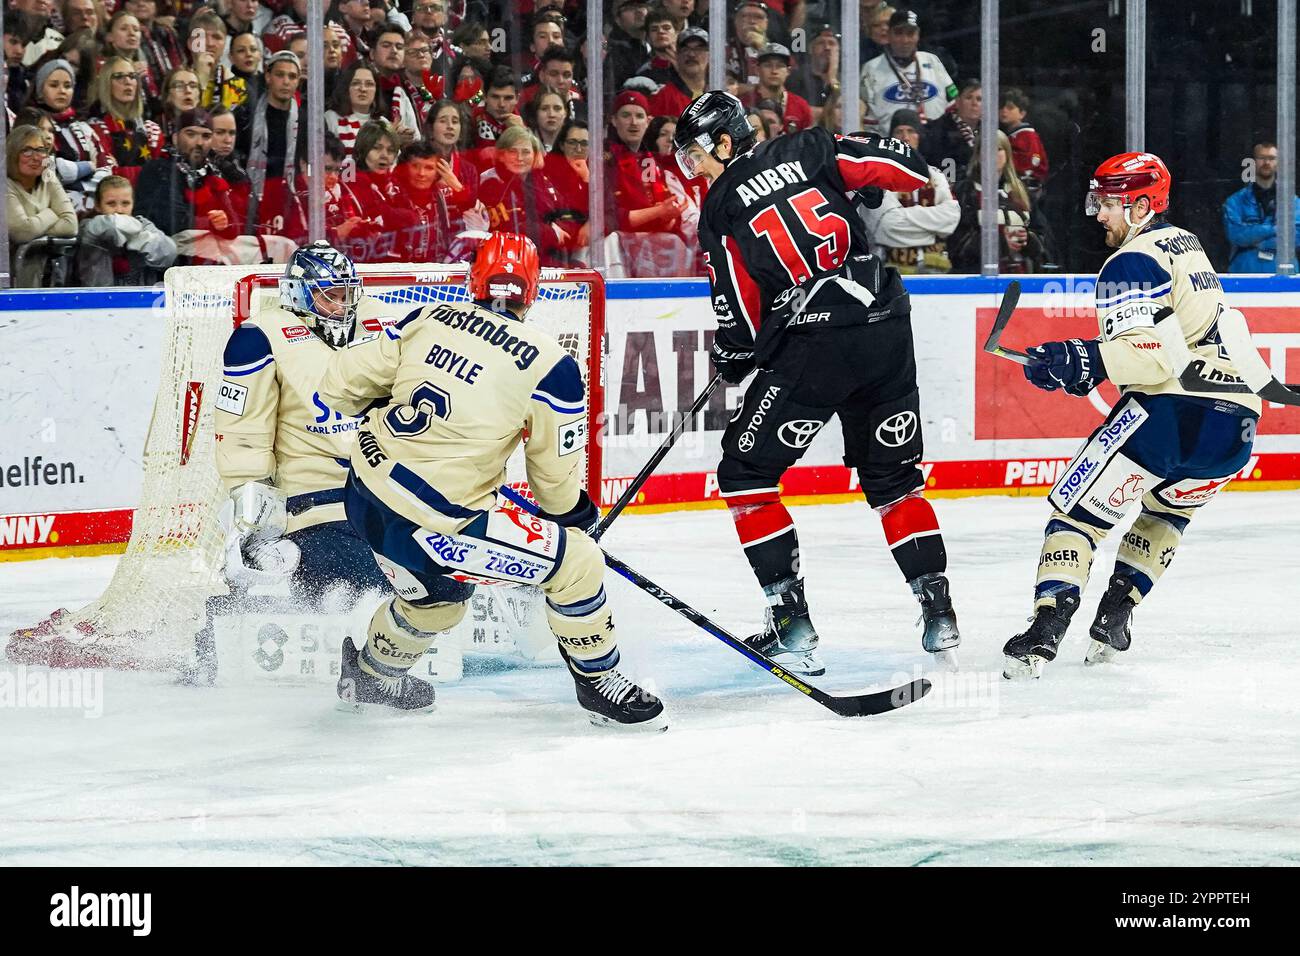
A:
(161, 131)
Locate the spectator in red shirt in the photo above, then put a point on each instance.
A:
(660, 137)
(638, 198)
(428, 238)
(793, 110)
(458, 177)
(497, 111)
(688, 78)
(556, 71)
(568, 169)
(1027, 151)
(520, 198)
(547, 31)
(383, 199)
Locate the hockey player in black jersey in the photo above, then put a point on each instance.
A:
(799, 297)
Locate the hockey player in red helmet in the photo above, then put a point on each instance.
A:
(507, 269)
(460, 385)
(1165, 446)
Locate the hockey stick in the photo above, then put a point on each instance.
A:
(1256, 377)
(1008, 306)
(656, 458)
(854, 705)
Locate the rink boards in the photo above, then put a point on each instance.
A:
(80, 371)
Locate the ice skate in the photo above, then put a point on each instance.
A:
(788, 637)
(613, 700)
(1027, 652)
(1110, 631)
(939, 634)
(360, 691)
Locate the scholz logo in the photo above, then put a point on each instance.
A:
(897, 430)
(800, 433)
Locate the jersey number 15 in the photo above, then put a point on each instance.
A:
(831, 228)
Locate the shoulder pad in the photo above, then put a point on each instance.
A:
(247, 350)
(1131, 275)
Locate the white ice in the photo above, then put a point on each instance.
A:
(1186, 751)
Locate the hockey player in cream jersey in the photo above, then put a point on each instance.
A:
(281, 451)
(463, 385)
(1164, 446)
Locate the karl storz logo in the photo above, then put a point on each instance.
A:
(897, 430)
(231, 398)
(1113, 434)
(448, 550)
(800, 433)
(747, 439)
(1073, 481)
(75, 909)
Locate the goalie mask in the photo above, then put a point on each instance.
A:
(322, 285)
(702, 123)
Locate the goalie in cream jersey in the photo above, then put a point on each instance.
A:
(1163, 445)
(281, 451)
(448, 393)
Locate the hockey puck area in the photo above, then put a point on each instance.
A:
(1178, 752)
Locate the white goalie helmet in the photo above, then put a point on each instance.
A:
(322, 285)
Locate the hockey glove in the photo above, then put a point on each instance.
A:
(254, 520)
(870, 197)
(584, 516)
(732, 366)
(1074, 365)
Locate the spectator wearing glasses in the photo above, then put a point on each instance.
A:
(420, 83)
(74, 140)
(354, 16)
(354, 105)
(567, 167)
(1250, 216)
(181, 92)
(473, 40)
(627, 44)
(117, 117)
(37, 204)
(688, 78)
(792, 110)
(388, 56)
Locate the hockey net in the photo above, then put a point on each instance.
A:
(155, 603)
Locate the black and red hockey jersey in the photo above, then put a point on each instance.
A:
(781, 218)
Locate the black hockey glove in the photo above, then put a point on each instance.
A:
(732, 366)
(870, 197)
(584, 516)
(1074, 365)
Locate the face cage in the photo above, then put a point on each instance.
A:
(336, 329)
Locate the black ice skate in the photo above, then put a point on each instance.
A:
(360, 690)
(1110, 630)
(788, 637)
(939, 634)
(1026, 653)
(612, 700)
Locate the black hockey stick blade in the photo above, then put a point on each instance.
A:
(854, 705)
(1275, 391)
(1008, 306)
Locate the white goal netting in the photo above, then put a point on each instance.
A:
(154, 605)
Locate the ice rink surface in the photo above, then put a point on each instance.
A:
(1186, 751)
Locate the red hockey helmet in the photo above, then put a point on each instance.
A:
(506, 267)
(1130, 176)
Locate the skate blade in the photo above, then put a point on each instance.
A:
(947, 660)
(656, 724)
(1099, 653)
(802, 664)
(1029, 668)
(352, 707)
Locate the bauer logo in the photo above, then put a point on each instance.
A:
(126, 910)
(295, 333)
(231, 398)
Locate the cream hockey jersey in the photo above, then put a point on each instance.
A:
(271, 424)
(1162, 266)
(466, 386)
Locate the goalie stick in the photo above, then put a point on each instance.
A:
(852, 705)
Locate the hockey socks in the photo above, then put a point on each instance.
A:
(912, 533)
(766, 532)
(400, 632)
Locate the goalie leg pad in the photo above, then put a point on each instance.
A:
(401, 632)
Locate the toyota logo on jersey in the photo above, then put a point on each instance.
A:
(897, 430)
(799, 433)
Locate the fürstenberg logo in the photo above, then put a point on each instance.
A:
(102, 909)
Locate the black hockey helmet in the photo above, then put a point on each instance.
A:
(709, 115)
